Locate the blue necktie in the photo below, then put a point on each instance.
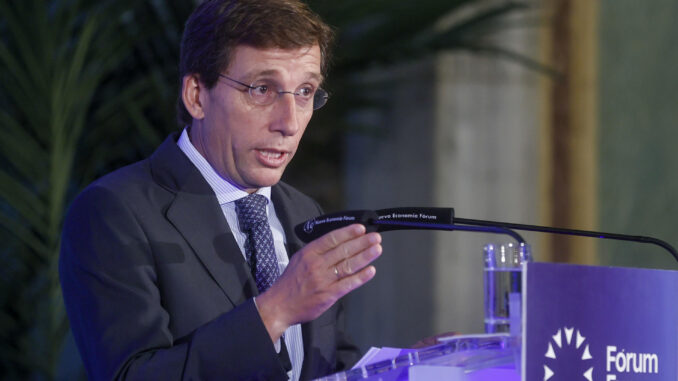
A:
(259, 249)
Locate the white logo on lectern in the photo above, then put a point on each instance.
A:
(567, 345)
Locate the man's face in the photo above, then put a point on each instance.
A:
(250, 145)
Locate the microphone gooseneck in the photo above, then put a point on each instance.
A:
(397, 225)
(573, 232)
(443, 219)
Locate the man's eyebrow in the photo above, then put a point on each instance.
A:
(317, 76)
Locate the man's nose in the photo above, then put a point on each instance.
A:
(285, 114)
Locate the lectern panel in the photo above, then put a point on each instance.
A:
(599, 323)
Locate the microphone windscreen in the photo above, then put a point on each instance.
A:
(413, 215)
(321, 225)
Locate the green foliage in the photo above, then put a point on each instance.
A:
(87, 86)
(394, 31)
(75, 91)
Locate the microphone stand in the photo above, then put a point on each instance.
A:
(449, 227)
(416, 218)
(572, 232)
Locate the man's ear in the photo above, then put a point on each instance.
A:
(190, 95)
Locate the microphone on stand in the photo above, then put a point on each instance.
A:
(443, 219)
(393, 219)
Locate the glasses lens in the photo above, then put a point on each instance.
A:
(320, 98)
(263, 92)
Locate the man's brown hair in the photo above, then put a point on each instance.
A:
(217, 27)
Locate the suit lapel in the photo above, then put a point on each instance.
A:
(196, 214)
(284, 209)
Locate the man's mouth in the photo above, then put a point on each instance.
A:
(271, 154)
(272, 158)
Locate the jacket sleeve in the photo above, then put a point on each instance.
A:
(110, 288)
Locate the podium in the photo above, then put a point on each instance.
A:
(577, 323)
(599, 323)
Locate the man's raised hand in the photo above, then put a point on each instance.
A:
(317, 276)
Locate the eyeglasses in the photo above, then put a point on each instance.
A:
(264, 92)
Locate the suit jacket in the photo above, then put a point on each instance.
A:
(156, 287)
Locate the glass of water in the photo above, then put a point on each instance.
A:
(503, 282)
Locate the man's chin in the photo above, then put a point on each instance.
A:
(267, 179)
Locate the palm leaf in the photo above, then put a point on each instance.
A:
(53, 58)
(28, 158)
(23, 200)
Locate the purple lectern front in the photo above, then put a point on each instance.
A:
(577, 323)
(599, 323)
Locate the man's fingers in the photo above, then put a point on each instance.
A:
(357, 262)
(349, 283)
(352, 247)
(335, 238)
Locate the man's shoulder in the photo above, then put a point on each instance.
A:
(138, 176)
(121, 188)
(131, 184)
(131, 175)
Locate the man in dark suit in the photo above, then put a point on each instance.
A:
(168, 271)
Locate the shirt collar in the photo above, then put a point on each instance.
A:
(224, 190)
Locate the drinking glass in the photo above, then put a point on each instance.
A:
(503, 282)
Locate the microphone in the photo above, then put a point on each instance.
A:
(321, 225)
(444, 219)
(393, 219)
